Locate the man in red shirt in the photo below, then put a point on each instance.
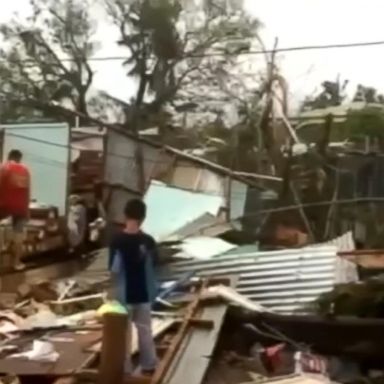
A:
(14, 199)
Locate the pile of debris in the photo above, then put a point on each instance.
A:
(53, 330)
(287, 301)
(203, 321)
(227, 310)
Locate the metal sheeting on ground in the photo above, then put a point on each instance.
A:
(284, 281)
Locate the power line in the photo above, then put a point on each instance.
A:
(242, 196)
(61, 165)
(117, 155)
(236, 54)
(299, 48)
(52, 162)
(130, 158)
(324, 203)
(133, 158)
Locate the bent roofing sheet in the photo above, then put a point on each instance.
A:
(203, 247)
(171, 208)
(346, 271)
(205, 225)
(283, 281)
(344, 243)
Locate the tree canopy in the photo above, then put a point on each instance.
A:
(182, 56)
(44, 65)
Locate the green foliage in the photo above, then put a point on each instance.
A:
(35, 80)
(367, 122)
(368, 95)
(172, 47)
(181, 54)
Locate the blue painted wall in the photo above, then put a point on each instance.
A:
(46, 152)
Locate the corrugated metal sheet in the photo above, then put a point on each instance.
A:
(283, 281)
(171, 208)
(346, 271)
(344, 243)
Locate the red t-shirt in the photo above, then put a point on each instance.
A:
(14, 189)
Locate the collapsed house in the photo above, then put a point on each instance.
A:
(228, 311)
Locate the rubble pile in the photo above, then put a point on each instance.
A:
(232, 313)
(45, 231)
(362, 299)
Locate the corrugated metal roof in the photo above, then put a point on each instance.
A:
(283, 281)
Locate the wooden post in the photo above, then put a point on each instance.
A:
(113, 350)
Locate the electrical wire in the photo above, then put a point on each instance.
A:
(131, 157)
(361, 200)
(62, 165)
(108, 153)
(236, 54)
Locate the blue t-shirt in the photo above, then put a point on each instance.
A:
(132, 258)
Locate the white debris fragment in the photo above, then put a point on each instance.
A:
(41, 351)
(234, 297)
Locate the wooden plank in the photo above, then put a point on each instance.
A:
(72, 355)
(177, 341)
(369, 260)
(195, 352)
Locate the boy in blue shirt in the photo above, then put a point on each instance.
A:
(132, 258)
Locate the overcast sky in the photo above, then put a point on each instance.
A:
(295, 23)
(309, 22)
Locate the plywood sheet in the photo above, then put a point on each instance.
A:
(197, 349)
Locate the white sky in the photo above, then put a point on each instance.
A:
(315, 22)
(295, 23)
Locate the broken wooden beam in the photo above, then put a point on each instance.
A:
(198, 323)
(201, 323)
(178, 338)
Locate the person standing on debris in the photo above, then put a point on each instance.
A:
(14, 199)
(132, 259)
